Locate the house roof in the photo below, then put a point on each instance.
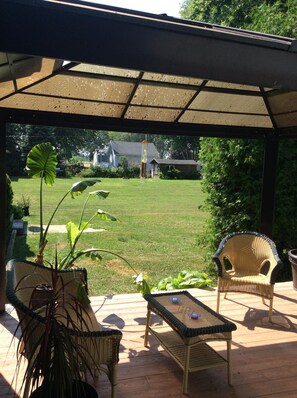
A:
(174, 162)
(93, 66)
(133, 148)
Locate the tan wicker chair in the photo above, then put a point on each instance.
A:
(254, 264)
(101, 346)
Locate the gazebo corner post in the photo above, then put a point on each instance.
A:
(270, 167)
(3, 201)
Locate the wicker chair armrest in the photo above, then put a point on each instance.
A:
(219, 264)
(274, 270)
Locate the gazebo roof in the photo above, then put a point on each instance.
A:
(84, 64)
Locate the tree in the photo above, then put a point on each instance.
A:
(16, 141)
(68, 141)
(182, 147)
(277, 18)
(71, 142)
(233, 168)
(236, 13)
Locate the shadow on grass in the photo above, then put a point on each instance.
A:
(21, 248)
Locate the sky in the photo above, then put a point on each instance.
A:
(169, 7)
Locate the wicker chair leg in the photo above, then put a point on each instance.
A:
(113, 378)
(218, 301)
(270, 309)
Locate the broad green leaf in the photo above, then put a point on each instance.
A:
(42, 162)
(104, 215)
(101, 194)
(72, 231)
(82, 294)
(80, 186)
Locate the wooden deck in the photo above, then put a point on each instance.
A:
(264, 355)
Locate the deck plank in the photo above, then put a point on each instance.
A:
(263, 354)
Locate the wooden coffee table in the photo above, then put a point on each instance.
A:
(189, 325)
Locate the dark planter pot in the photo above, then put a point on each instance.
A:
(87, 391)
(26, 210)
(293, 260)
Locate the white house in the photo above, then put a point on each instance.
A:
(110, 155)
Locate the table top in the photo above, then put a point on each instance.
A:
(189, 316)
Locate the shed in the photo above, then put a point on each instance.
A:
(186, 167)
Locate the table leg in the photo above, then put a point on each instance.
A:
(148, 317)
(186, 369)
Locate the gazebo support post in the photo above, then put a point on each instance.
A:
(2, 214)
(269, 184)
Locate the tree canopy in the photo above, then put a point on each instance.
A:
(270, 16)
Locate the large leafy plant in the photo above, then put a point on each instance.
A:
(41, 163)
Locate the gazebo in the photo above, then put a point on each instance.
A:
(81, 64)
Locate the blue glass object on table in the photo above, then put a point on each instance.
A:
(175, 300)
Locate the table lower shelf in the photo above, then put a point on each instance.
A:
(202, 356)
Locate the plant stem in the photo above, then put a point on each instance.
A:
(82, 211)
(41, 212)
(52, 216)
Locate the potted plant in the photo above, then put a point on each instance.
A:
(24, 203)
(55, 334)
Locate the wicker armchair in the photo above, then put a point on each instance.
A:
(247, 262)
(101, 346)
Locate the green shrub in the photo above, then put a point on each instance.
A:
(87, 173)
(170, 174)
(18, 212)
(185, 280)
(232, 179)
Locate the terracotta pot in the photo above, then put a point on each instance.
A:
(293, 260)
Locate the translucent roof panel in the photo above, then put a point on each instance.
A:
(40, 103)
(222, 102)
(283, 101)
(157, 114)
(19, 71)
(104, 70)
(172, 79)
(227, 119)
(155, 95)
(6, 84)
(286, 120)
(231, 86)
(42, 68)
(84, 88)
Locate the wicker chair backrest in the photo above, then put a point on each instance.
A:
(28, 275)
(248, 253)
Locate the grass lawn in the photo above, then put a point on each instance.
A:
(160, 221)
